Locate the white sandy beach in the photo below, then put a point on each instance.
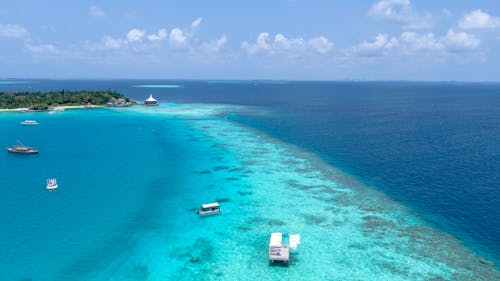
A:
(62, 107)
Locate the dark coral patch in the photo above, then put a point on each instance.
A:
(139, 272)
(314, 219)
(220, 168)
(275, 222)
(236, 169)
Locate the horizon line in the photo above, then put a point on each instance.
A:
(252, 80)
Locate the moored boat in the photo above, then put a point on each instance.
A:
(20, 148)
(209, 209)
(29, 122)
(52, 184)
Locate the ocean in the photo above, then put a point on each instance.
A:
(383, 180)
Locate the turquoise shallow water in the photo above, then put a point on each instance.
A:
(132, 178)
(13, 82)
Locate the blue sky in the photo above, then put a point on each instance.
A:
(274, 39)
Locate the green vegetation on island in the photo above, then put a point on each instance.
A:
(44, 100)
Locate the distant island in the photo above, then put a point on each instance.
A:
(45, 100)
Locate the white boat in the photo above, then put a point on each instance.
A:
(21, 148)
(52, 112)
(30, 122)
(52, 184)
(209, 209)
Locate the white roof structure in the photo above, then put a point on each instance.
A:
(151, 99)
(210, 205)
(294, 240)
(276, 238)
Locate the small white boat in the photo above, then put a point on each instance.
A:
(52, 184)
(52, 112)
(29, 122)
(209, 209)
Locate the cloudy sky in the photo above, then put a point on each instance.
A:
(254, 39)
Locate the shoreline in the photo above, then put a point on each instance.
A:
(25, 109)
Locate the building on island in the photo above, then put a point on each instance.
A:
(151, 101)
(118, 102)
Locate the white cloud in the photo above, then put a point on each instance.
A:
(96, 11)
(283, 45)
(180, 38)
(12, 31)
(379, 45)
(109, 42)
(391, 9)
(215, 45)
(160, 35)
(401, 11)
(478, 19)
(460, 41)
(320, 44)
(42, 49)
(195, 25)
(260, 45)
(413, 42)
(135, 35)
(139, 40)
(410, 43)
(177, 37)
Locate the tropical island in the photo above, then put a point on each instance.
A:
(44, 100)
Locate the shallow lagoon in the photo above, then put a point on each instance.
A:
(126, 207)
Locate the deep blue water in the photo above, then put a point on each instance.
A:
(432, 146)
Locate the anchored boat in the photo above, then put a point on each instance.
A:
(52, 184)
(29, 122)
(209, 209)
(20, 148)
